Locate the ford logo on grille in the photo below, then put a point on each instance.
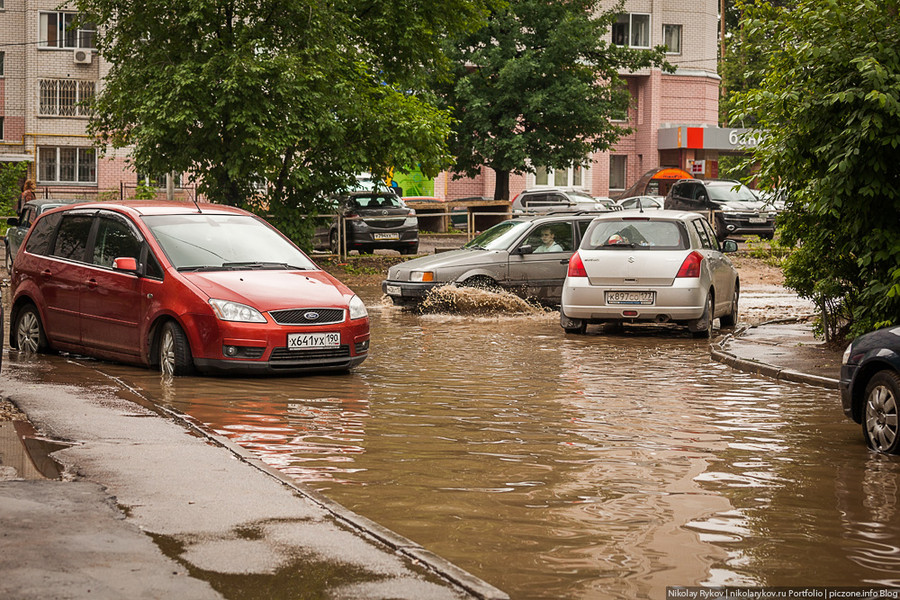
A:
(311, 316)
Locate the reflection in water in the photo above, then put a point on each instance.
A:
(609, 465)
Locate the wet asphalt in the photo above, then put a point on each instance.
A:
(150, 506)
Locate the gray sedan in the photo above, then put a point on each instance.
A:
(527, 256)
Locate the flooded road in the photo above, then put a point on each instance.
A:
(609, 465)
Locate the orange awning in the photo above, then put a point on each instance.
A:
(672, 173)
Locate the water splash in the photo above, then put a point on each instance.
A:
(477, 301)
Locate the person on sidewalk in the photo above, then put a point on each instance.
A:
(27, 195)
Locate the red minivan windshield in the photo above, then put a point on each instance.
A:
(212, 242)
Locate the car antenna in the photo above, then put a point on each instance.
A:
(194, 200)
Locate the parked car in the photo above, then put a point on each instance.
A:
(544, 200)
(661, 266)
(369, 221)
(509, 255)
(607, 202)
(641, 202)
(737, 210)
(870, 387)
(180, 286)
(18, 226)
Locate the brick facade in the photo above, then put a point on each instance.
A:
(688, 97)
(27, 132)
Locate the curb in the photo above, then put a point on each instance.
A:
(441, 567)
(718, 353)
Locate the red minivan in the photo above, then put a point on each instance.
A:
(183, 287)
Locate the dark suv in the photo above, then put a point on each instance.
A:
(735, 208)
(371, 220)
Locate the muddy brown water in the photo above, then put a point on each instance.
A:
(610, 465)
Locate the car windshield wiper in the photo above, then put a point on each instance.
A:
(261, 265)
(198, 268)
(241, 266)
(474, 247)
(620, 245)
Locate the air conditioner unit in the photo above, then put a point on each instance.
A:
(82, 57)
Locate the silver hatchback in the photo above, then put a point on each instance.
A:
(660, 266)
(527, 256)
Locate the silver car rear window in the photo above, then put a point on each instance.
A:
(644, 234)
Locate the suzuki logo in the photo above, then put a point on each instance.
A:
(311, 316)
(631, 259)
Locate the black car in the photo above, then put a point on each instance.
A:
(870, 387)
(369, 220)
(736, 208)
(18, 226)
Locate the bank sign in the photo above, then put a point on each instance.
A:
(724, 139)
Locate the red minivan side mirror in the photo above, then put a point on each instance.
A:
(125, 263)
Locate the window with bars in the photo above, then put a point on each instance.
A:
(66, 165)
(58, 30)
(66, 97)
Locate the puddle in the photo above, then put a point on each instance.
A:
(26, 455)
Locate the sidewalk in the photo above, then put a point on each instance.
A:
(150, 506)
(781, 350)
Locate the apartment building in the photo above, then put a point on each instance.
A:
(674, 115)
(48, 69)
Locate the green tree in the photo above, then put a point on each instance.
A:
(297, 94)
(538, 86)
(828, 113)
(12, 174)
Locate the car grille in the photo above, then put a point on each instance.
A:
(385, 223)
(284, 355)
(308, 316)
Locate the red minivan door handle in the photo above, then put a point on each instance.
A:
(92, 283)
(47, 273)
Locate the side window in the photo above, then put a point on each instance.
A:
(42, 234)
(711, 234)
(680, 190)
(701, 194)
(704, 236)
(553, 237)
(153, 269)
(582, 228)
(534, 200)
(555, 199)
(71, 239)
(114, 239)
(28, 217)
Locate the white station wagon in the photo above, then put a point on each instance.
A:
(660, 266)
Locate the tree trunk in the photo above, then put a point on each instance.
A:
(501, 188)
